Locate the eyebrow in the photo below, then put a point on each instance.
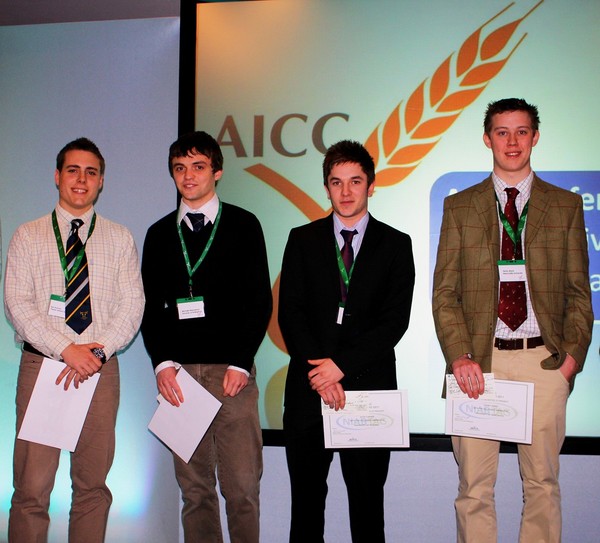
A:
(518, 127)
(193, 163)
(80, 167)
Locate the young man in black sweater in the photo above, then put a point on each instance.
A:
(208, 303)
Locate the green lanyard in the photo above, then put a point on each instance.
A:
(515, 237)
(344, 274)
(69, 274)
(186, 256)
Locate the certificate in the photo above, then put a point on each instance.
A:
(55, 416)
(182, 428)
(371, 418)
(506, 415)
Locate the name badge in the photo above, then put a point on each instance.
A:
(56, 307)
(511, 270)
(340, 314)
(190, 308)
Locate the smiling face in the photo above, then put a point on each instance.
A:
(511, 139)
(195, 179)
(348, 189)
(79, 181)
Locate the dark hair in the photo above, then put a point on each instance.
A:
(80, 144)
(346, 151)
(196, 143)
(510, 104)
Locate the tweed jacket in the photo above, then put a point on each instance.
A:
(465, 287)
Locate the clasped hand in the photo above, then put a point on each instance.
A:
(325, 378)
(81, 363)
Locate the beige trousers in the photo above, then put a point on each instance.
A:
(538, 463)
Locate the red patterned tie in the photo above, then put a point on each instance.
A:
(512, 308)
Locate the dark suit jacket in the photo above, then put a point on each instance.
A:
(465, 289)
(376, 315)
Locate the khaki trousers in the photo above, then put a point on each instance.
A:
(35, 465)
(231, 449)
(538, 463)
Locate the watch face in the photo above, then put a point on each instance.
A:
(99, 353)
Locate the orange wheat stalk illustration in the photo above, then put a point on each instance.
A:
(422, 123)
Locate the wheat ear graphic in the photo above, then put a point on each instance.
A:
(413, 129)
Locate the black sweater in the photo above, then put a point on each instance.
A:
(233, 279)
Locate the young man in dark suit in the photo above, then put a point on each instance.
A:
(341, 321)
(208, 303)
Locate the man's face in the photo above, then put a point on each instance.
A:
(348, 190)
(511, 140)
(195, 179)
(79, 181)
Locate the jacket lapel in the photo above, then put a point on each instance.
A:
(538, 207)
(486, 207)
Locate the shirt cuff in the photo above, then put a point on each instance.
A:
(166, 364)
(241, 370)
(176, 365)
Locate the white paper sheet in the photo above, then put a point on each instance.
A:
(506, 417)
(55, 416)
(182, 428)
(371, 418)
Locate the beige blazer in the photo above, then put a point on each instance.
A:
(465, 287)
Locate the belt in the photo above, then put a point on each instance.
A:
(28, 347)
(515, 344)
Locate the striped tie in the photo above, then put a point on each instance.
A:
(78, 310)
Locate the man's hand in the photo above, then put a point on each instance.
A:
(468, 376)
(569, 368)
(234, 382)
(324, 375)
(334, 396)
(169, 387)
(81, 363)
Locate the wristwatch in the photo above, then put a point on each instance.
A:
(100, 354)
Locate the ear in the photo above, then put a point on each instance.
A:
(327, 192)
(371, 189)
(487, 140)
(218, 174)
(56, 177)
(536, 137)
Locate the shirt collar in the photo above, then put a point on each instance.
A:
(210, 210)
(524, 187)
(64, 219)
(359, 226)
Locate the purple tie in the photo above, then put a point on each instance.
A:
(512, 307)
(347, 253)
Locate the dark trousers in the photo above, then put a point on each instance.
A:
(364, 471)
